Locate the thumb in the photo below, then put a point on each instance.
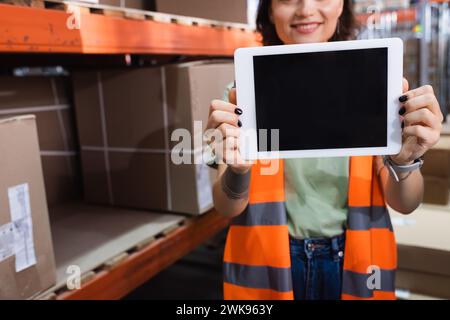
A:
(232, 96)
(405, 85)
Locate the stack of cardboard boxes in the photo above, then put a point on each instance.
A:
(423, 237)
(436, 172)
(126, 119)
(423, 240)
(27, 264)
(132, 4)
(229, 11)
(38, 168)
(48, 98)
(238, 11)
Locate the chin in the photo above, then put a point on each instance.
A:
(306, 39)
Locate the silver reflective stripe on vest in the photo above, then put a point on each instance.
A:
(259, 277)
(357, 284)
(262, 214)
(365, 218)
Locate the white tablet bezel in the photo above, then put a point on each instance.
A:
(243, 59)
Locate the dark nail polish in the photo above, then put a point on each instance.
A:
(402, 111)
(234, 85)
(238, 111)
(239, 123)
(403, 124)
(403, 98)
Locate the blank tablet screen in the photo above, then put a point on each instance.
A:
(323, 100)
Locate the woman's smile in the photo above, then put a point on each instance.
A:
(306, 27)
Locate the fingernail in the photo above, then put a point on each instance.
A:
(403, 124)
(238, 111)
(402, 111)
(234, 85)
(403, 98)
(239, 123)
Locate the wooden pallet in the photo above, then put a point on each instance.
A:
(127, 13)
(118, 276)
(114, 262)
(27, 3)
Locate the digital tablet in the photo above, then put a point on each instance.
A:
(320, 100)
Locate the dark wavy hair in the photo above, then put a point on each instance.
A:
(346, 30)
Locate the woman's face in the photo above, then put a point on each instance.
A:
(305, 21)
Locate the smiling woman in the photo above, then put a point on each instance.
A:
(293, 21)
(316, 228)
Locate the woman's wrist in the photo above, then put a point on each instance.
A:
(240, 171)
(400, 162)
(234, 184)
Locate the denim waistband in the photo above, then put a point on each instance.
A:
(318, 246)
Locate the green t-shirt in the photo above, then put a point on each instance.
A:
(316, 194)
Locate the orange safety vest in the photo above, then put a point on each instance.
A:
(257, 262)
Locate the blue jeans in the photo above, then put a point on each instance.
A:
(317, 267)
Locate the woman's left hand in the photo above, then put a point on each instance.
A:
(422, 123)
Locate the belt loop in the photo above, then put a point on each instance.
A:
(335, 244)
(335, 247)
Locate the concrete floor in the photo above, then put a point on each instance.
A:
(197, 276)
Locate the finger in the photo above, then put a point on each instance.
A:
(426, 100)
(422, 117)
(230, 148)
(228, 130)
(221, 147)
(221, 133)
(426, 135)
(232, 96)
(218, 117)
(419, 91)
(405, 85)
(219, 105)
(230, 143)
(234, 157)
(212, 135)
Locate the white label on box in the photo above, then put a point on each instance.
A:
(19, 205)
(6, 241)
(204, 187)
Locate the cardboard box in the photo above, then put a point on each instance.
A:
(436, 172)
(437, 159)
(231, 11)
(27, 264)
(190, 88)
(48, 99)
(125, 121)
(437, 163)
(132, 4)
(436, 190)
(423, 250)
(424, 283)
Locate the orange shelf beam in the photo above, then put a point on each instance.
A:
(36, 30)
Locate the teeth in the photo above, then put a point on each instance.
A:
(307, 27)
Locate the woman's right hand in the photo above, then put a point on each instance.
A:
(223, 122)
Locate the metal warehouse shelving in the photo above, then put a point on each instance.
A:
(47, 27)
(57, 27)
(91, 29)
